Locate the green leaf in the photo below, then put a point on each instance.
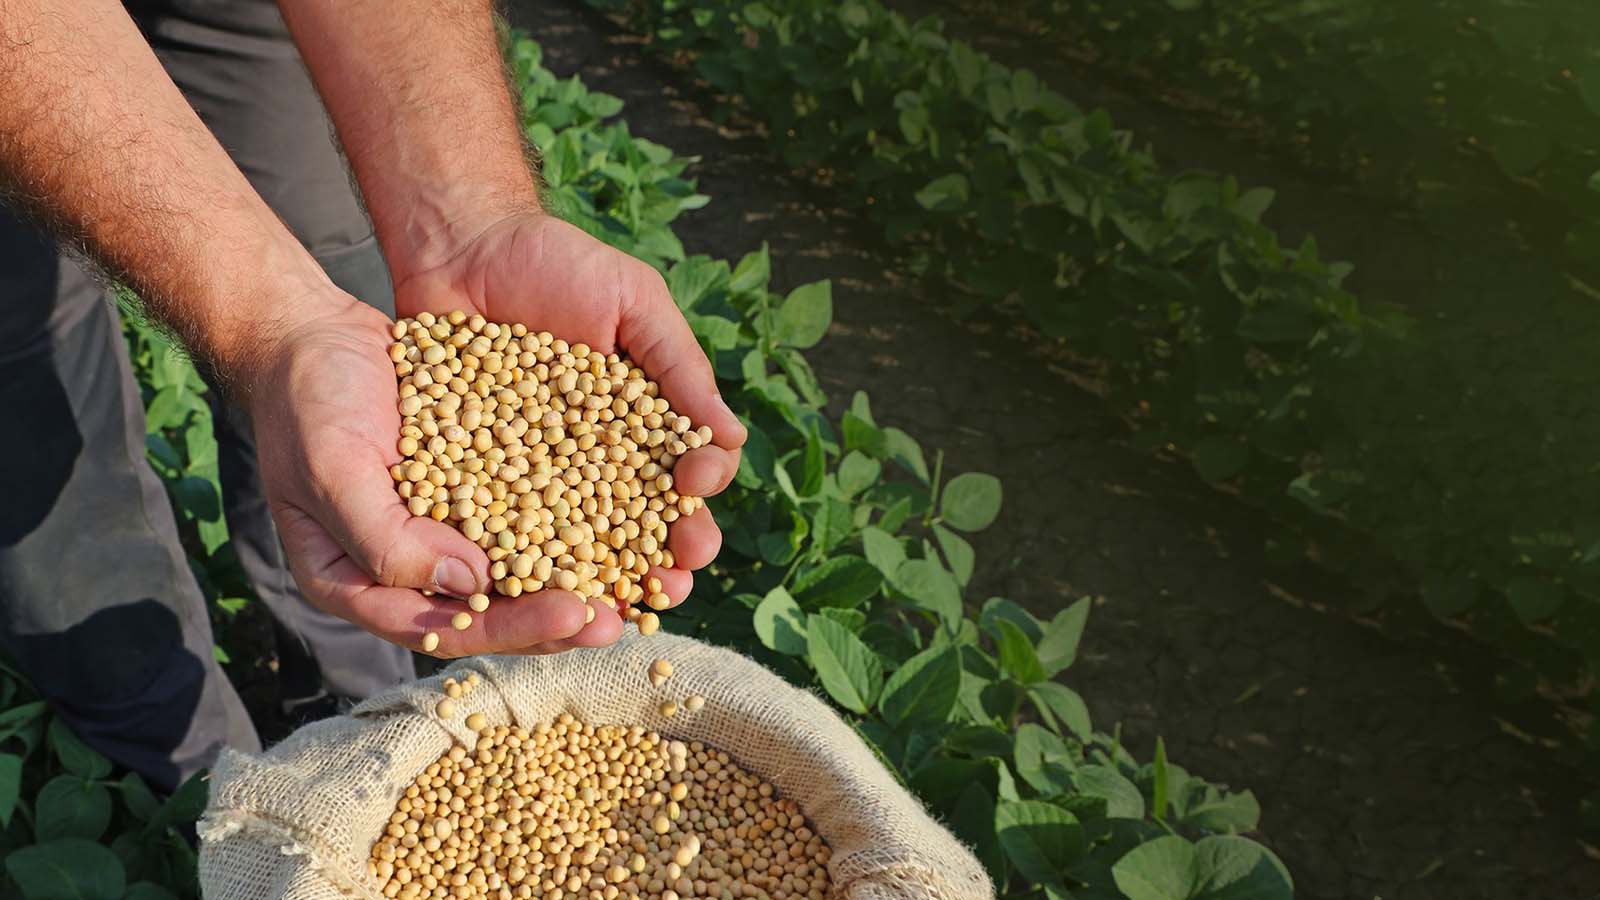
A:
(971, 501)
(1236, 868)
(1162, 869)
(148, 890)
(1252, 203)
(841, 581)
(753, 271)
(138, 798)
(695, 278)
(904, 449)
(957, 553)
(780, 624)
(184, 805)
(1043, 759)
(1159, 781)
(848, 670)
(10, 785)
(69, 806)
(932, 588)
(1218, 458)
(1058, 648)
(1123, 800)
(75, 755)
(924, 689)
(857, 472)
(66, 869)
(805, 314)
(1061, 706)
(1040, 839)
(1534, 599)
(1017, 656)
(885, 551)
(1224, 812)
(945, 193)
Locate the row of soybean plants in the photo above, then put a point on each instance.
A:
(1457, 441)
(1484, 113)
(845, 568)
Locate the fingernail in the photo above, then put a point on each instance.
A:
(452, 576)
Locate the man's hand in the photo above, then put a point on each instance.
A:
(544, 273)
(322, 401)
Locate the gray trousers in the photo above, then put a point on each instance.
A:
(97, 603)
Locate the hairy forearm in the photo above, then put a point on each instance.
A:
(418, 95)
(96, 140)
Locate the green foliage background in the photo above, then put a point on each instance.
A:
(1452, 435)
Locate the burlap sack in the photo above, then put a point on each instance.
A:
(298, 821)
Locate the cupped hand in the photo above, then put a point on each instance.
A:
(321, 399)
(537, 270)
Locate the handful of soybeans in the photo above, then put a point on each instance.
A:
(555, 458)
(572, 810)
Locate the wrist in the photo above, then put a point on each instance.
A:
(438, 225)
(245, 339)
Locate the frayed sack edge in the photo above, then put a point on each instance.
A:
(216, 827)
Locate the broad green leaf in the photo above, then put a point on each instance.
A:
(18, 719)
(973, 822)
(10, 785)
(857, 472)
(946, 193)
(75, 755)
(1218, 458)
(1040, 839)
(903, 448)
(1236, 868)
(996, 608)
(780, 624)
(138, 798)
(804, 316)
(1043, 759)
(1061, 707)
(883, 550)
(1017, 656)
(924, 689)
(1058, 647)
(1162, 869)
(1534, 599)
(932, 588)
(841, 581)
(148, 890)
(971, 501)
(848, 670)
(1224, 812)
(957, 553)
(68, 806)
(66, 869)
(695, 278)
(184, 805)
(1123, 800)
(752, 272)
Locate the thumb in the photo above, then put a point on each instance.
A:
(354, 499)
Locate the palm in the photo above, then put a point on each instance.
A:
(325, 448)
(551, 276)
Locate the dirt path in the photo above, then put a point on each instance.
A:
(1379, 773)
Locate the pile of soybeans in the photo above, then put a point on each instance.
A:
(555, 458)
(571, 810)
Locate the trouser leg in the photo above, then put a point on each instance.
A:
(238, 68)
(97, 602)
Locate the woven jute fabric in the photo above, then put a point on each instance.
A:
(299, 821)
